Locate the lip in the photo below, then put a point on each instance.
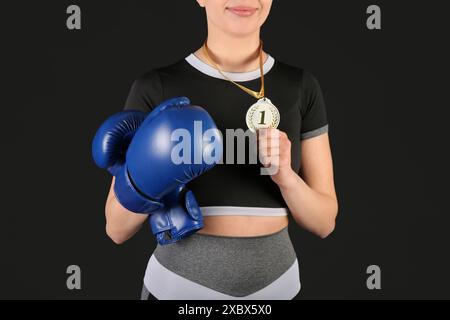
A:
(242, 11)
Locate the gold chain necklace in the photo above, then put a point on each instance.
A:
(255, 94)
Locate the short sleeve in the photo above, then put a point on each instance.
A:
(145, 93)
(313, 111)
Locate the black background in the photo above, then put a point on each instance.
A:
(387, 100)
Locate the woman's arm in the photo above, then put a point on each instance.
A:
(121, 224)
(311, 200)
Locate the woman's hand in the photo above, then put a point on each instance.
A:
(312, 202)
(275, 154)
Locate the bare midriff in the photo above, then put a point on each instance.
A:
(243, 226)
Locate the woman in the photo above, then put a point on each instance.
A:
(244, 250)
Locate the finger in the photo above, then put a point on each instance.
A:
(270, 151)
(262, 133)
(276, 133)
(270, 143)
(265, 161)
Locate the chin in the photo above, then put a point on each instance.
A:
(242, 30)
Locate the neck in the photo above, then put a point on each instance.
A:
(231, 53)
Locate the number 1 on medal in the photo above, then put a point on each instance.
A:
(263, 114)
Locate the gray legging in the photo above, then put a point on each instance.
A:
(217, 267)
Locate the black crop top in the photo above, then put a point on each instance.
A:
(296, 94)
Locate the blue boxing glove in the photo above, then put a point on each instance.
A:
(149, 176)
(109, 148)
(180, 217)
(174, 145)
(161, 166)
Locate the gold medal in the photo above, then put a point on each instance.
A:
(262, 115)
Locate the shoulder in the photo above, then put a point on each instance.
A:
(148, 79)
(304, 78)
(155, 75)
(147, 89)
